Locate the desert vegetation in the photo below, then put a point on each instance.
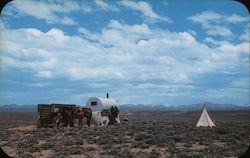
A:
(146, 134)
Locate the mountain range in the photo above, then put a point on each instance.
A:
(18, 108)
(189, 107)
(141, 107)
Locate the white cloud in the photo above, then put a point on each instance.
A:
(87, 9)
(57, 35)
(44, 74)
(192, 32)
(205, 17)
(234, 18)
(48, 11)
(87, 34)
(245, 36)
(145, 8)
(219, 31)
(38, 85)
(68, 21)
(151, 93)
(214, 42)
(123, 53)
(241, 84)
(215, 24)
(138, 29)
(132, 50)
(105, 6)
(235, 49)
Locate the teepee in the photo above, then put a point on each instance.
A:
(205, 120)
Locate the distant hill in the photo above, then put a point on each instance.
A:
(209, 106)
(247, 105)
(18, 108)
(141, 107)
(190, 107)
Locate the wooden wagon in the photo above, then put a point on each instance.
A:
(47, 112)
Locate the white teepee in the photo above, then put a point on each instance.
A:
(205, 120)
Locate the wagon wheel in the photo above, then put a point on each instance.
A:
(39, 124)
(56, 121)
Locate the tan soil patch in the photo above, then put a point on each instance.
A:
(78, 156)
(3, 143)
(41, 142)
(23, 128)
(198, 147)
(96, 146)
(140, 152)
(43, 153)
(9, 151)
(219, 143)
(94, 153)
(179, 145)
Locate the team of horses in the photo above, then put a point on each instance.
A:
(66, 117)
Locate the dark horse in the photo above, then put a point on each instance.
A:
(81, 113)
(57, 120)
(113, 115)
(67, 118)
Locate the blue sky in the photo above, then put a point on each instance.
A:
(141, 52)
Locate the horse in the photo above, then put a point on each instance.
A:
(113, 117)
(67, 117)
(101, 117)
(81, 113)
(106, 116)
(116, 115)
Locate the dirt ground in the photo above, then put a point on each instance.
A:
(146, 134)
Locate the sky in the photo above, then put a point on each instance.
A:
(140, 52)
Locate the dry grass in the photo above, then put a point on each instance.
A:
(155, 134)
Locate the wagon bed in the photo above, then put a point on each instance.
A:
(45, 113)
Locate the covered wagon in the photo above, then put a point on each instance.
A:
(101, 108)
(47, 113)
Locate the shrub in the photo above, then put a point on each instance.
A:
(106, 146)
(140, 144)
(222, 131)
(151, 141)
(179, 138)
(194, 155)
(142, 136)
(27, 155)
(33, 149)
(47, 145)
(154, 154)
(205, 142)
(113, 151)
(125, 153)
(188, 145)
(87, 149)
(106, 139)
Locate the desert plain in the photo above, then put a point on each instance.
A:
(145, 134)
